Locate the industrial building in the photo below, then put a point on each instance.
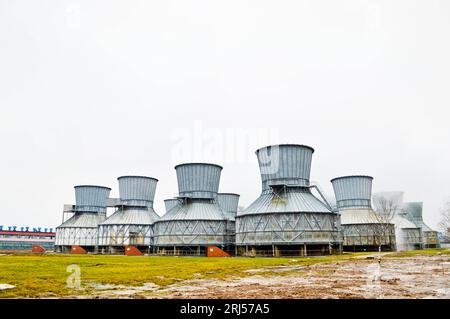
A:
(81, 229)
(24, 238)
(287, 219)
(415, 214)
(132, 223)
(408, 236)
(229, 202)
(362, 228)
(195, 221)
(171, 203)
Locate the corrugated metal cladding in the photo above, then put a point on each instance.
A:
(132, 216)
(195, 211)
(83, 221)
(353, 191)
(414, 210)
(292, 201)
(198, 180)
(359, 216)
(228, 202)
(171, 203)
(415, 214)
(91, 198)
(285, 164)
(137, 190)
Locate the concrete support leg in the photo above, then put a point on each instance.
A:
(277, 251)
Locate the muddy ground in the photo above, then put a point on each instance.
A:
(412, 277)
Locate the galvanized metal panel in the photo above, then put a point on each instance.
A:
(137, 190)
(229, 202)
(91, 198)
(113, 202)
(171, 203)
(132, 216)
(124, 235)
(368, 235)
(359, 216)
(288, 229)
(83, 220)
(290, 201)
(190, 233)
(80, 229)
(195, 210)
(83, 236)
(198, 180)
(400, 221)
(285, 164)
(353, 191)
(414, 212)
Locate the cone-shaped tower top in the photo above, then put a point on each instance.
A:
(415, 210)
(228, 202)
(137, 190)
(171, 203)
(91, 198)
(285, 164)
(198, 180)
(353, 191)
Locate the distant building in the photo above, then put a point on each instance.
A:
(23, 238)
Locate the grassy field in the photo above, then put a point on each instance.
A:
(44, 276)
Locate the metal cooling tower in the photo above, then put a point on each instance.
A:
(82, 228)
(415, 214)
(132, 223)
(197, 221)
(229, 203)
(408, 236)
(171, 203)
(287, 219)
(363, 229)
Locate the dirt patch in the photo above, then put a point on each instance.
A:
(416, 277)
(120, 291)
(421, 276)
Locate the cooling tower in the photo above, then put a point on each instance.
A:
(414, 212)
(132, 223)
(197, 221)
(362, 228)
(229, 203)
(287, 219)
(171, 203)
(82, 228)
(408, 236)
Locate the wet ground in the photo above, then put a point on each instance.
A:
(420, 276)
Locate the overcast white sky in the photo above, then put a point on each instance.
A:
(91, 90)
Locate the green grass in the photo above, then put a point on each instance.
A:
(37, 276)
